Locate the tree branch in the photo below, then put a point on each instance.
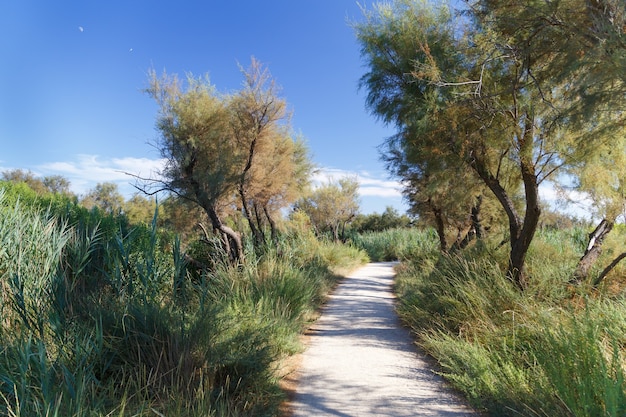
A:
(608, 269)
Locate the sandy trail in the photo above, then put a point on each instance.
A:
(361, 362)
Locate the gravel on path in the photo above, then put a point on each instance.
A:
(361, 361)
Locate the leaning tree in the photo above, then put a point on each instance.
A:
(515, 91)
(212, 144)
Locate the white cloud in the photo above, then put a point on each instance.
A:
(382, 190)
(85, 171)
(369, 185)
(571, 202)
(376, 191)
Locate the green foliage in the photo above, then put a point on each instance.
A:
(12, 191)
(389, 219)
(583, 363)
(397, 244)
(331, 206)
(495, 100)
(549, 351)
(486, 376)
(102, 319)
(229, 151)
(341, 258)
(139, 209)
(106, 197)
(55, 184)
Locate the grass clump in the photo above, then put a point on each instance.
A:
(582, 362)
(101, 319)
(551, 350)
(397, 244)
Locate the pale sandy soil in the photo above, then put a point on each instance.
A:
(360, 361)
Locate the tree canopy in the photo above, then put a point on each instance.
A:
(332, 206)
(47, 184)
(228, 150)
(499, 97)
(106, 196)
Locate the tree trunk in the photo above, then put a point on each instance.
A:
(259, 224)
(335, 230)
(518, 250)
(476, 221)
(440, 227)
(462, 241)
(272, 223)
(242, 188)
(521, 232)
(248, 215)
(520, 246)
(231, 240)
(592, 252)
(515, 223)
(475, 229)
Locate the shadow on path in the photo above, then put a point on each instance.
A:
(362, 362)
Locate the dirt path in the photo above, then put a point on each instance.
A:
(362, 362)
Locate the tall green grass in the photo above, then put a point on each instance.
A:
(551, 350)
(397, 244)
(107, 321)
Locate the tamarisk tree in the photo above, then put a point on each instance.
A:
(215, 146)
(513, 91)
(331, 206)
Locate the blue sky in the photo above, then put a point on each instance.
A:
(72, 73)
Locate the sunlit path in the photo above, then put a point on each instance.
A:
(362, 362)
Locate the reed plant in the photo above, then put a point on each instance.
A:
(397, 244)
(43, 369)
(100, 319)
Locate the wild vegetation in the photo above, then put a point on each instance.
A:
(100, 317)
(555, 349)
(133, 308)
(494, 101)
(226, 150)
(331, 207)
(523, 309)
